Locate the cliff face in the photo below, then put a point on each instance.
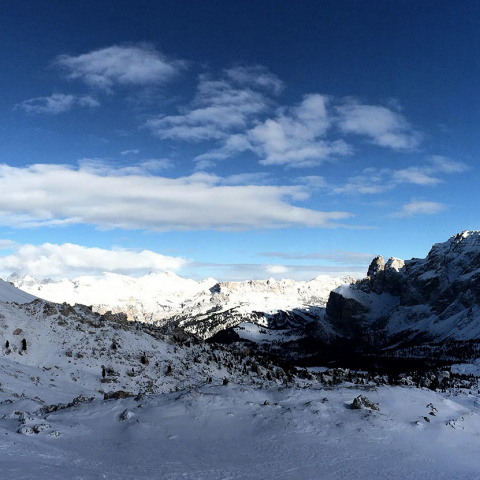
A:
(437, 297)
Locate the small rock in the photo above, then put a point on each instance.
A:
(363, 402)
(126, 415)
(40, 427)
(117, 395)
(18, 331)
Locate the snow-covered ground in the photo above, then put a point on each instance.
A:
(238, 432)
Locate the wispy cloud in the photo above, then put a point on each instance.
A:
(374, 180)
(100, 166)
(439, 163)
(56, 103)
(120, 65)
(255, 76)
(43, 195)
(314, 181)
(67, 260)
(221, 107)
(383, 126)
(340, 257)
(133, 151)
(314, 131)
(420, 207)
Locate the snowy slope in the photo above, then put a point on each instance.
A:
(9, 293)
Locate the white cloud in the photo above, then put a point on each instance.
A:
(415, 175)
(139, 65)
(420, 207)
(276, 269)
(313, 181)
(374, 180)
(447, 165)
(383, 126)
(221, 106)
(133, 151)
(67, 260)
(255, 75)
(294, 137)
(304, 135)
(371, 181)
(42, 195)
(258, 178)
(234, 111)
(99, 166)
(56, 103)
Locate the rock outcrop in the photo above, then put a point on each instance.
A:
(436, 298)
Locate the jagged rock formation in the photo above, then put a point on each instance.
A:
(406, 303)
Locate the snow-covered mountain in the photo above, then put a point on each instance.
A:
(408, 303)
(276, 305)
(151, 298)
(400, 305)
(202, 308)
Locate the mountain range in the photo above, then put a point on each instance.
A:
(401, 308)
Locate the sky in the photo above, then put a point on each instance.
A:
(236, 140)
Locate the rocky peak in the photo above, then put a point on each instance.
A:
(377, 265)
(438, 295)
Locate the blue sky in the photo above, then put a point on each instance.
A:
(235, 139)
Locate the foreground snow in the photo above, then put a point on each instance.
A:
(228, 432)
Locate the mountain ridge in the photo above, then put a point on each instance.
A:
(436, 298)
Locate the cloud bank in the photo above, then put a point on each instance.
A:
(68, 260)
(56, 195)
